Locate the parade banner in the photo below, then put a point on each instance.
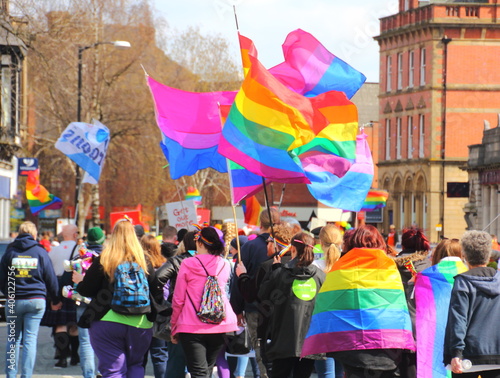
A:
(181, 214)
(86, 144)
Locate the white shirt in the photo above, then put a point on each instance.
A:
(60, 253)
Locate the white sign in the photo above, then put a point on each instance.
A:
(181, 214)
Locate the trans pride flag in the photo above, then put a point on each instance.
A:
(38, 197)
(432, 295)
(361, 305)
(191, 127)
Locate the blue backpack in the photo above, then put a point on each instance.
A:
(131, 290)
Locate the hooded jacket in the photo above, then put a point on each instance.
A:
(292, 291)
(34, 274)
(188, 293)
(471, 331)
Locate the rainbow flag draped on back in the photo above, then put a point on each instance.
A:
(38, 197)
(432, 295)
(361, 305)
(375, 199)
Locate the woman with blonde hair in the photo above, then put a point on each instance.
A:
(120, 324)
(330, 238)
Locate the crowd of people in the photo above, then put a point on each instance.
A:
(342, 303)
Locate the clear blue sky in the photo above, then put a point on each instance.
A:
(345, 28)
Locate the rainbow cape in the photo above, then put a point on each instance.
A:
(361, 305)
(432, 295)
(375, 199)
(38, 197)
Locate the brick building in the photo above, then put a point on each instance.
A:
(439, 79)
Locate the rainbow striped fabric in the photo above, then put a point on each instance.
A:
(252, 210)
(193, 194)
(375, 199)
(361, 305)
(38, 197)
(268, 121)
(310, 69)
(432, 295)
(191, 127)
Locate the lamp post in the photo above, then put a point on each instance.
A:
(445, 40)
(81, 49)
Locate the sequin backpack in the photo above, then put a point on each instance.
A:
(211, 309)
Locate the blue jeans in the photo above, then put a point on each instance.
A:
(241, 366)
(325, 368)
(85, 350)
(176, 365)
(159, 357)
(23, 324)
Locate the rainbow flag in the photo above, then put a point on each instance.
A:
(191, 127)
(310, 69)
(38, 197)
(193, 194)
(361, 305)
(267, 121)
(432, 295)
(375, 199)
(252, 210)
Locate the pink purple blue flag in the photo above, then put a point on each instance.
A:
(310, 69)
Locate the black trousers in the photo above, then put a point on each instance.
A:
(292, 367)
(201, 352)
(355, 372)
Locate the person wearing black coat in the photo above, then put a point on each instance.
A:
(292, 290)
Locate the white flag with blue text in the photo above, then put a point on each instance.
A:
(86, 144)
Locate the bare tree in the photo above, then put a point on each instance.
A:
(209, 57)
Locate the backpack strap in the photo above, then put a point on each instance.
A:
(206, 272)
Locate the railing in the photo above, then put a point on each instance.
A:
(427, 13)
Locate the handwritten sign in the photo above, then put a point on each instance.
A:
(181, 214)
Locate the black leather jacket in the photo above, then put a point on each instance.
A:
(168, 271)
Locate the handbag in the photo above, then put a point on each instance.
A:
(238, 342)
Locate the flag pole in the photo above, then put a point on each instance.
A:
(236, 19)
(282, 195)
(269, 212)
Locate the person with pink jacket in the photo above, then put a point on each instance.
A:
(201, 341)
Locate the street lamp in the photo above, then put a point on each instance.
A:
(81, 49)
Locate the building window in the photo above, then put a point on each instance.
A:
(400, 71)
(399, 138)
(9, 94)
(421, 136)
(422, 66)
(410, 137)
(411, 67)
(407, 5)
(387, 139)
(389, 73)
